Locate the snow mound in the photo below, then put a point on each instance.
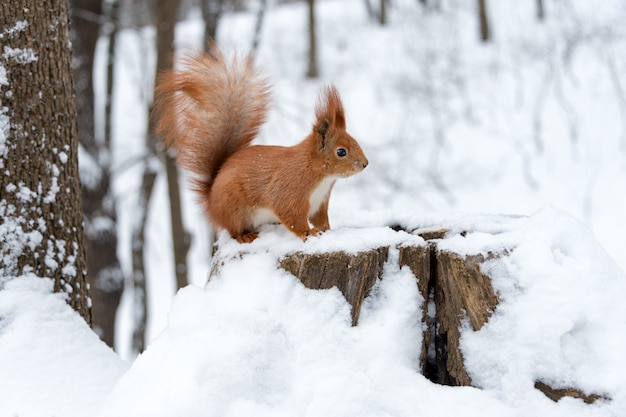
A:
(51, 362)
(255, 341)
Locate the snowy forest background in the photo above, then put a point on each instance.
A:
(533, 117)
(524, 114)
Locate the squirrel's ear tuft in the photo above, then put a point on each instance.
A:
(330, 108)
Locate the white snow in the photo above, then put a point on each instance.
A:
(51, 363)
(255, 341)
(19, 26)
(451, 128)
(3, 76)
(21, 56)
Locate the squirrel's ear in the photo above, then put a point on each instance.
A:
(321, 129)
(329, 114)
(335, 108)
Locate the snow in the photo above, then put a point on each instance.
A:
(451, 128)
(21, 56)
(51, 363)
(90, 171)
(3, 76)
(255, 341)
(15, 237)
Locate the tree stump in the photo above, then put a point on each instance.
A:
(353, 275)
(456, 293)
(454, 288)
(461, 291)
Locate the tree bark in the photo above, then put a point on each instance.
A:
(353, 275)
(40, 205)
(140, 293)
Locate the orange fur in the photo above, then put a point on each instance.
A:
(210, 110)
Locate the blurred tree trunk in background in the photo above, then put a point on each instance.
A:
(259, 25)
(370, 9)
(140, 306)
(99, 207)
(211, 12)
(164, 16)
(540, 10)
(483, 20)
(312, 71)
(381, 14)
(40, 204)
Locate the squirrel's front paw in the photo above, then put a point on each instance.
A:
(314, 231)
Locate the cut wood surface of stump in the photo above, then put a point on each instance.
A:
(354, 275)
(461, 291)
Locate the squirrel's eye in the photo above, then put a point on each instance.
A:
(341, 152)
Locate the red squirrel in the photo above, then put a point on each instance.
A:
(210, 110)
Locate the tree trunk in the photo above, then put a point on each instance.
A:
(140, 293)
(483, 20)
(312, 71)
(259, 26)
(106, 279)
(181, 240)
(540, 11)
(211, 12)
(165, 17)
(383, 12)
(40, 206)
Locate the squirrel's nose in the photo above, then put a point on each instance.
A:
(365, 163)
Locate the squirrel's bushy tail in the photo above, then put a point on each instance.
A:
(208, 109)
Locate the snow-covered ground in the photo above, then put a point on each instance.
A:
(451, 127)
(255, 341)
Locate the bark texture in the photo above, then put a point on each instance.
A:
(555, 394)
(40, 186)
(353, 275)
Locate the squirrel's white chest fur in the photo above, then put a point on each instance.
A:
(319, 194)
(265, 215)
